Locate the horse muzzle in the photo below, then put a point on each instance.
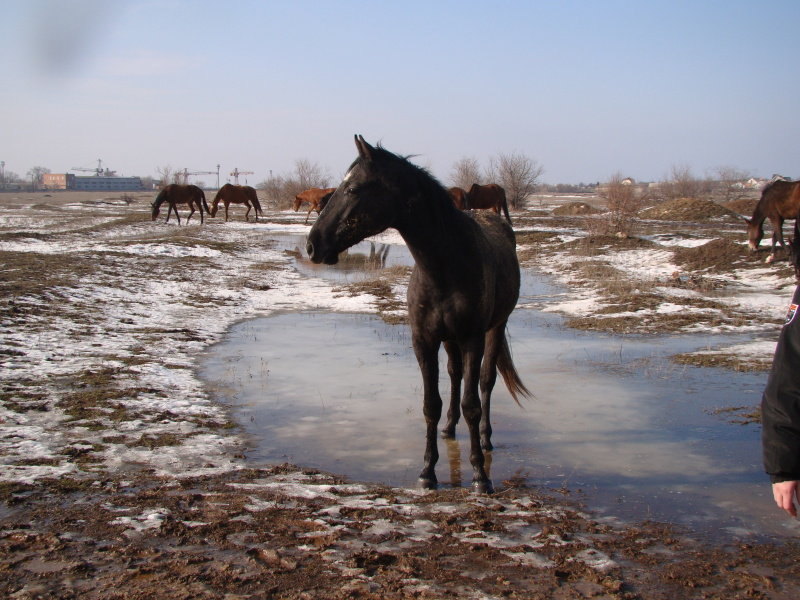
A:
(318, 255)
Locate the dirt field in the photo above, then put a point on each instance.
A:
(123, 479)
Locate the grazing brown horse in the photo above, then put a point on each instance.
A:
(316, 198)
(174, 194)
(488, 196)
(464, 285)
(237, 194)
(459, 196)
(780, 200)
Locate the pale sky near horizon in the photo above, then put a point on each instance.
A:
(588, 89)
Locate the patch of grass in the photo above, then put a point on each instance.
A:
(161, 440)
(728, 361)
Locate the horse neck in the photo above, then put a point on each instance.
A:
(432, 230)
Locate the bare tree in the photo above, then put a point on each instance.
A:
(624, 203)
(517, 173)
(35, 175)
(281, 189)
(729, 182)
(682, 183)
(166, 175)
(310, 175)
(466, 171)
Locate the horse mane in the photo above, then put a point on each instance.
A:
(427, 186)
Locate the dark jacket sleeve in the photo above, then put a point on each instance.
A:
(780, 404)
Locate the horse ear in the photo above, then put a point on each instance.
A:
(364, 149)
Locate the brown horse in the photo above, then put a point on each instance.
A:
(237, 194)
(174, 194)
(488, 196)
(316, 198)
(780, 200)
(459, 196)
(464, 285)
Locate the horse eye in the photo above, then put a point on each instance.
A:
(352, 189)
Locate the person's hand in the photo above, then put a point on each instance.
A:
(785, 494)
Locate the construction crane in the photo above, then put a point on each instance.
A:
(98, 170)
(236, 172)
(183, 176)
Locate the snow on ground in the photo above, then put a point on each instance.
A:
(160, 295)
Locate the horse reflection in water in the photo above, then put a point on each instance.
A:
(464, 285)
(359, 261)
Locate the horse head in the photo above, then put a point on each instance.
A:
(364, 204)
(755, 233)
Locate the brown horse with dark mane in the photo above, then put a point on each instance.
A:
(316, 198)
(459, 196)
(464, 285)
(490, 196)
(237, 194)
(780, 200)
(174, 194)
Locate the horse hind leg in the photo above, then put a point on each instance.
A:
(473, 414)
(494, 343)
(455, 368)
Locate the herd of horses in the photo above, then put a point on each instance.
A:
(491, 196)
(195, 199)
(466, 277)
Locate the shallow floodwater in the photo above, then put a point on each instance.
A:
(628, 432)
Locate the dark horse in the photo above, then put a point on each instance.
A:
(780, 200)
(464, 285)
(237, 194)
(180, 194)
(316, 198)
(490, 196)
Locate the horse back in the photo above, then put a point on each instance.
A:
(779, 200)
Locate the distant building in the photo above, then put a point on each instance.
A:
(97, 183)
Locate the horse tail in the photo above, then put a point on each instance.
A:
(205, 204)
(504, 205)
(505, 365)
(257, 205)
(505, 210)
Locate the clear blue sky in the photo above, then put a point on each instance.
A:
(586, 88)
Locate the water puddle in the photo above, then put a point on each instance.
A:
(613, 420)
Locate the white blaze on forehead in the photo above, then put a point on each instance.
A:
(348, 175)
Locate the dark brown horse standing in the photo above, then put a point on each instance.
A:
(490, 196)
(174, 194)
(316, 198)
(780, 200)
(237, 194)
(464, 285)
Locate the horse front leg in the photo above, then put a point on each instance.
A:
(227, 204)
(471, 408)
(455, 368)
(428, 359)
(191, 212)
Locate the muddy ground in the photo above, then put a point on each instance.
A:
(121, 506)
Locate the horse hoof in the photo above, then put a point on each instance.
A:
(427, 483)
(449, 433)
(483, 487)
(770, 259)
(487, 446)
